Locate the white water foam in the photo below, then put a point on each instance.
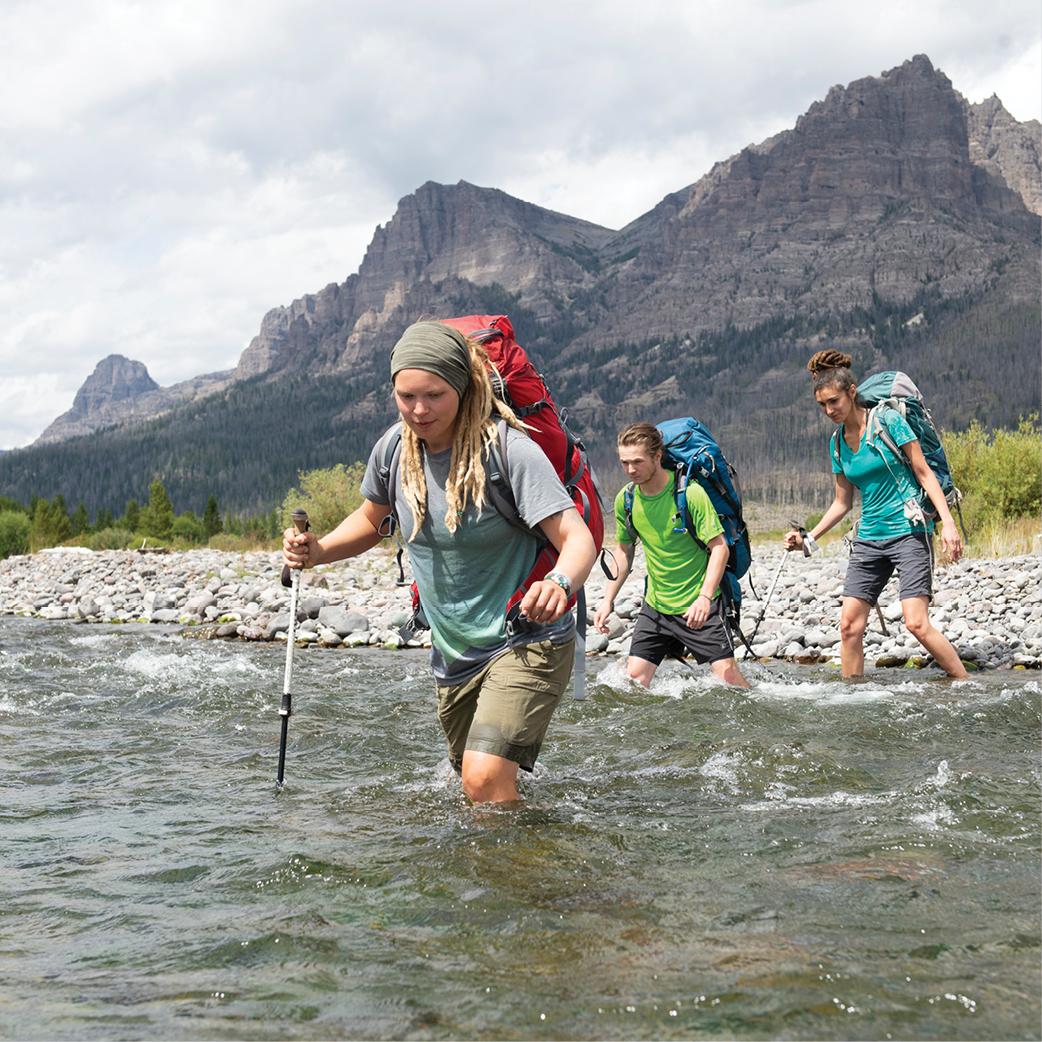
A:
(722, 768)
(94, 640)
(836, 692)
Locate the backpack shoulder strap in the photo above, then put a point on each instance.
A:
(681, 519)
(689, 521)
(627, 506)
(877, 428)
(388, 455)
(500, 492)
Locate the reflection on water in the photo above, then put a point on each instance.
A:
(809, 859)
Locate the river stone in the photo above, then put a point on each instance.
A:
(342, 621)
(166, 615)
(277, 624)
(311, 606)
(199, 603)
(596, 643)
(227, 629)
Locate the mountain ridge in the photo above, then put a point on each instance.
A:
(890, 201)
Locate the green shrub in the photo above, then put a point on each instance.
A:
(110, 539)
(327, 495)
(188, 528)
(14, 533)
(999, 472)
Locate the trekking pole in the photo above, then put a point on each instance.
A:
(770, 594)
(290, 578)
(809, 546)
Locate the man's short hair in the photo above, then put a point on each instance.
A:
(644, 434)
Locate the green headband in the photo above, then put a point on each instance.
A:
(435, 348)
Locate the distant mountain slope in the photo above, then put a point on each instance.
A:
(894, 219)
(120, 391)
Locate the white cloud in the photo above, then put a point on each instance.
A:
(175, 168)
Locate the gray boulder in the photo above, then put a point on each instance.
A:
(199, 603)
(342, 621)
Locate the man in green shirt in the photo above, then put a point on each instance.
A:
(683, 610)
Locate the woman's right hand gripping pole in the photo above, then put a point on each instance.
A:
(300, 549)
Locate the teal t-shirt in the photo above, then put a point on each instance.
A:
(676, 563)
(884, 481)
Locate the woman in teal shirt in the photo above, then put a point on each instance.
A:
(893, 533)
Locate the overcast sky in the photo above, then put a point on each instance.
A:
(172, 170)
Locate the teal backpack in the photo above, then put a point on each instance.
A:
(897, 391)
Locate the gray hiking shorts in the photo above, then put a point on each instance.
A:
(873, 561)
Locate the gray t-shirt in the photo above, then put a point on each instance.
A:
(466, 578)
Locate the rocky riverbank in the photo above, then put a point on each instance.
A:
(991, 609)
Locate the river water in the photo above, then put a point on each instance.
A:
(810, 859)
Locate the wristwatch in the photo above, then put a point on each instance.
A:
(561, 579)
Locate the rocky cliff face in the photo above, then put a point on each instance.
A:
(873, 195)
(120, 390)
(1007, 149)
(440, 236)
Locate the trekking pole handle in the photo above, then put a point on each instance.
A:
(810, 545)
(301, 524)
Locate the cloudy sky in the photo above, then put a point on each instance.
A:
(172, 170)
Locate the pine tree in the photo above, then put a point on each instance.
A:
(157, 518)
(50, 524)
(212, 518)
(79, 521)
(132, 516)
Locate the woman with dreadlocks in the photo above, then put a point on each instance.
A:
(497, 687)
(893, 533)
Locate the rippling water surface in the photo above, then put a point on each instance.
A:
(807, 860)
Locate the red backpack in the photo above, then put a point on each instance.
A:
(516, 382)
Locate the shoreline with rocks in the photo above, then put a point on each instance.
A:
(991, 609)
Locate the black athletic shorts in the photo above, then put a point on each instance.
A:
(656, 635)
(873, 561)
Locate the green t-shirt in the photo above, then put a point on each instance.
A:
(884, 481)
(676, 563)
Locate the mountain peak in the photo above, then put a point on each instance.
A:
(115, 378)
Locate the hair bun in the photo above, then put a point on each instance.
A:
(822, 360)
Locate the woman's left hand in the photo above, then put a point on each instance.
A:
(951, 541)
(544, 602)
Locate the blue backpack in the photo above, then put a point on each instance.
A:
(692, 452)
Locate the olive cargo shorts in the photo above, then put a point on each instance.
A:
(506, 708)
